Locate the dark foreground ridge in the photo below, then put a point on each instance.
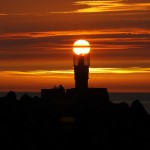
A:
(72, 120)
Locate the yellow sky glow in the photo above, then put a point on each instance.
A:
(110, 5)
(92, 70)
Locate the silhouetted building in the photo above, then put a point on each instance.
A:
(98, 95)
(53, 94)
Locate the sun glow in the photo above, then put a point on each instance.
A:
(81, 47)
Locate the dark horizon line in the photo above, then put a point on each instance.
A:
(68, 88)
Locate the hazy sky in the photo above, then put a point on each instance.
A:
(36, 38)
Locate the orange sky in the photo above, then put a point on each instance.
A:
(36, 39)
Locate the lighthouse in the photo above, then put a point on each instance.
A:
(81, 62)
(81, 93)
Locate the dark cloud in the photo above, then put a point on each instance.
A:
(35, 6)
(58, 22)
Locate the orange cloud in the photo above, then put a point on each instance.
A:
(3, 14)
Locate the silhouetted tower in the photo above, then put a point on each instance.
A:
(81, 62)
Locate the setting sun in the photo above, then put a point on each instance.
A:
(81, 47)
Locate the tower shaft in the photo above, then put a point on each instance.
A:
(81, 74)
(81, 77)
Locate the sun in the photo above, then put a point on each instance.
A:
(81, 47)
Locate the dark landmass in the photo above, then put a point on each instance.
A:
(63, 122)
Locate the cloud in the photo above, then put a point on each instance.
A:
(134, 70)
(73, 22)
(2, 14)
(112, 6)
(38, 7)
